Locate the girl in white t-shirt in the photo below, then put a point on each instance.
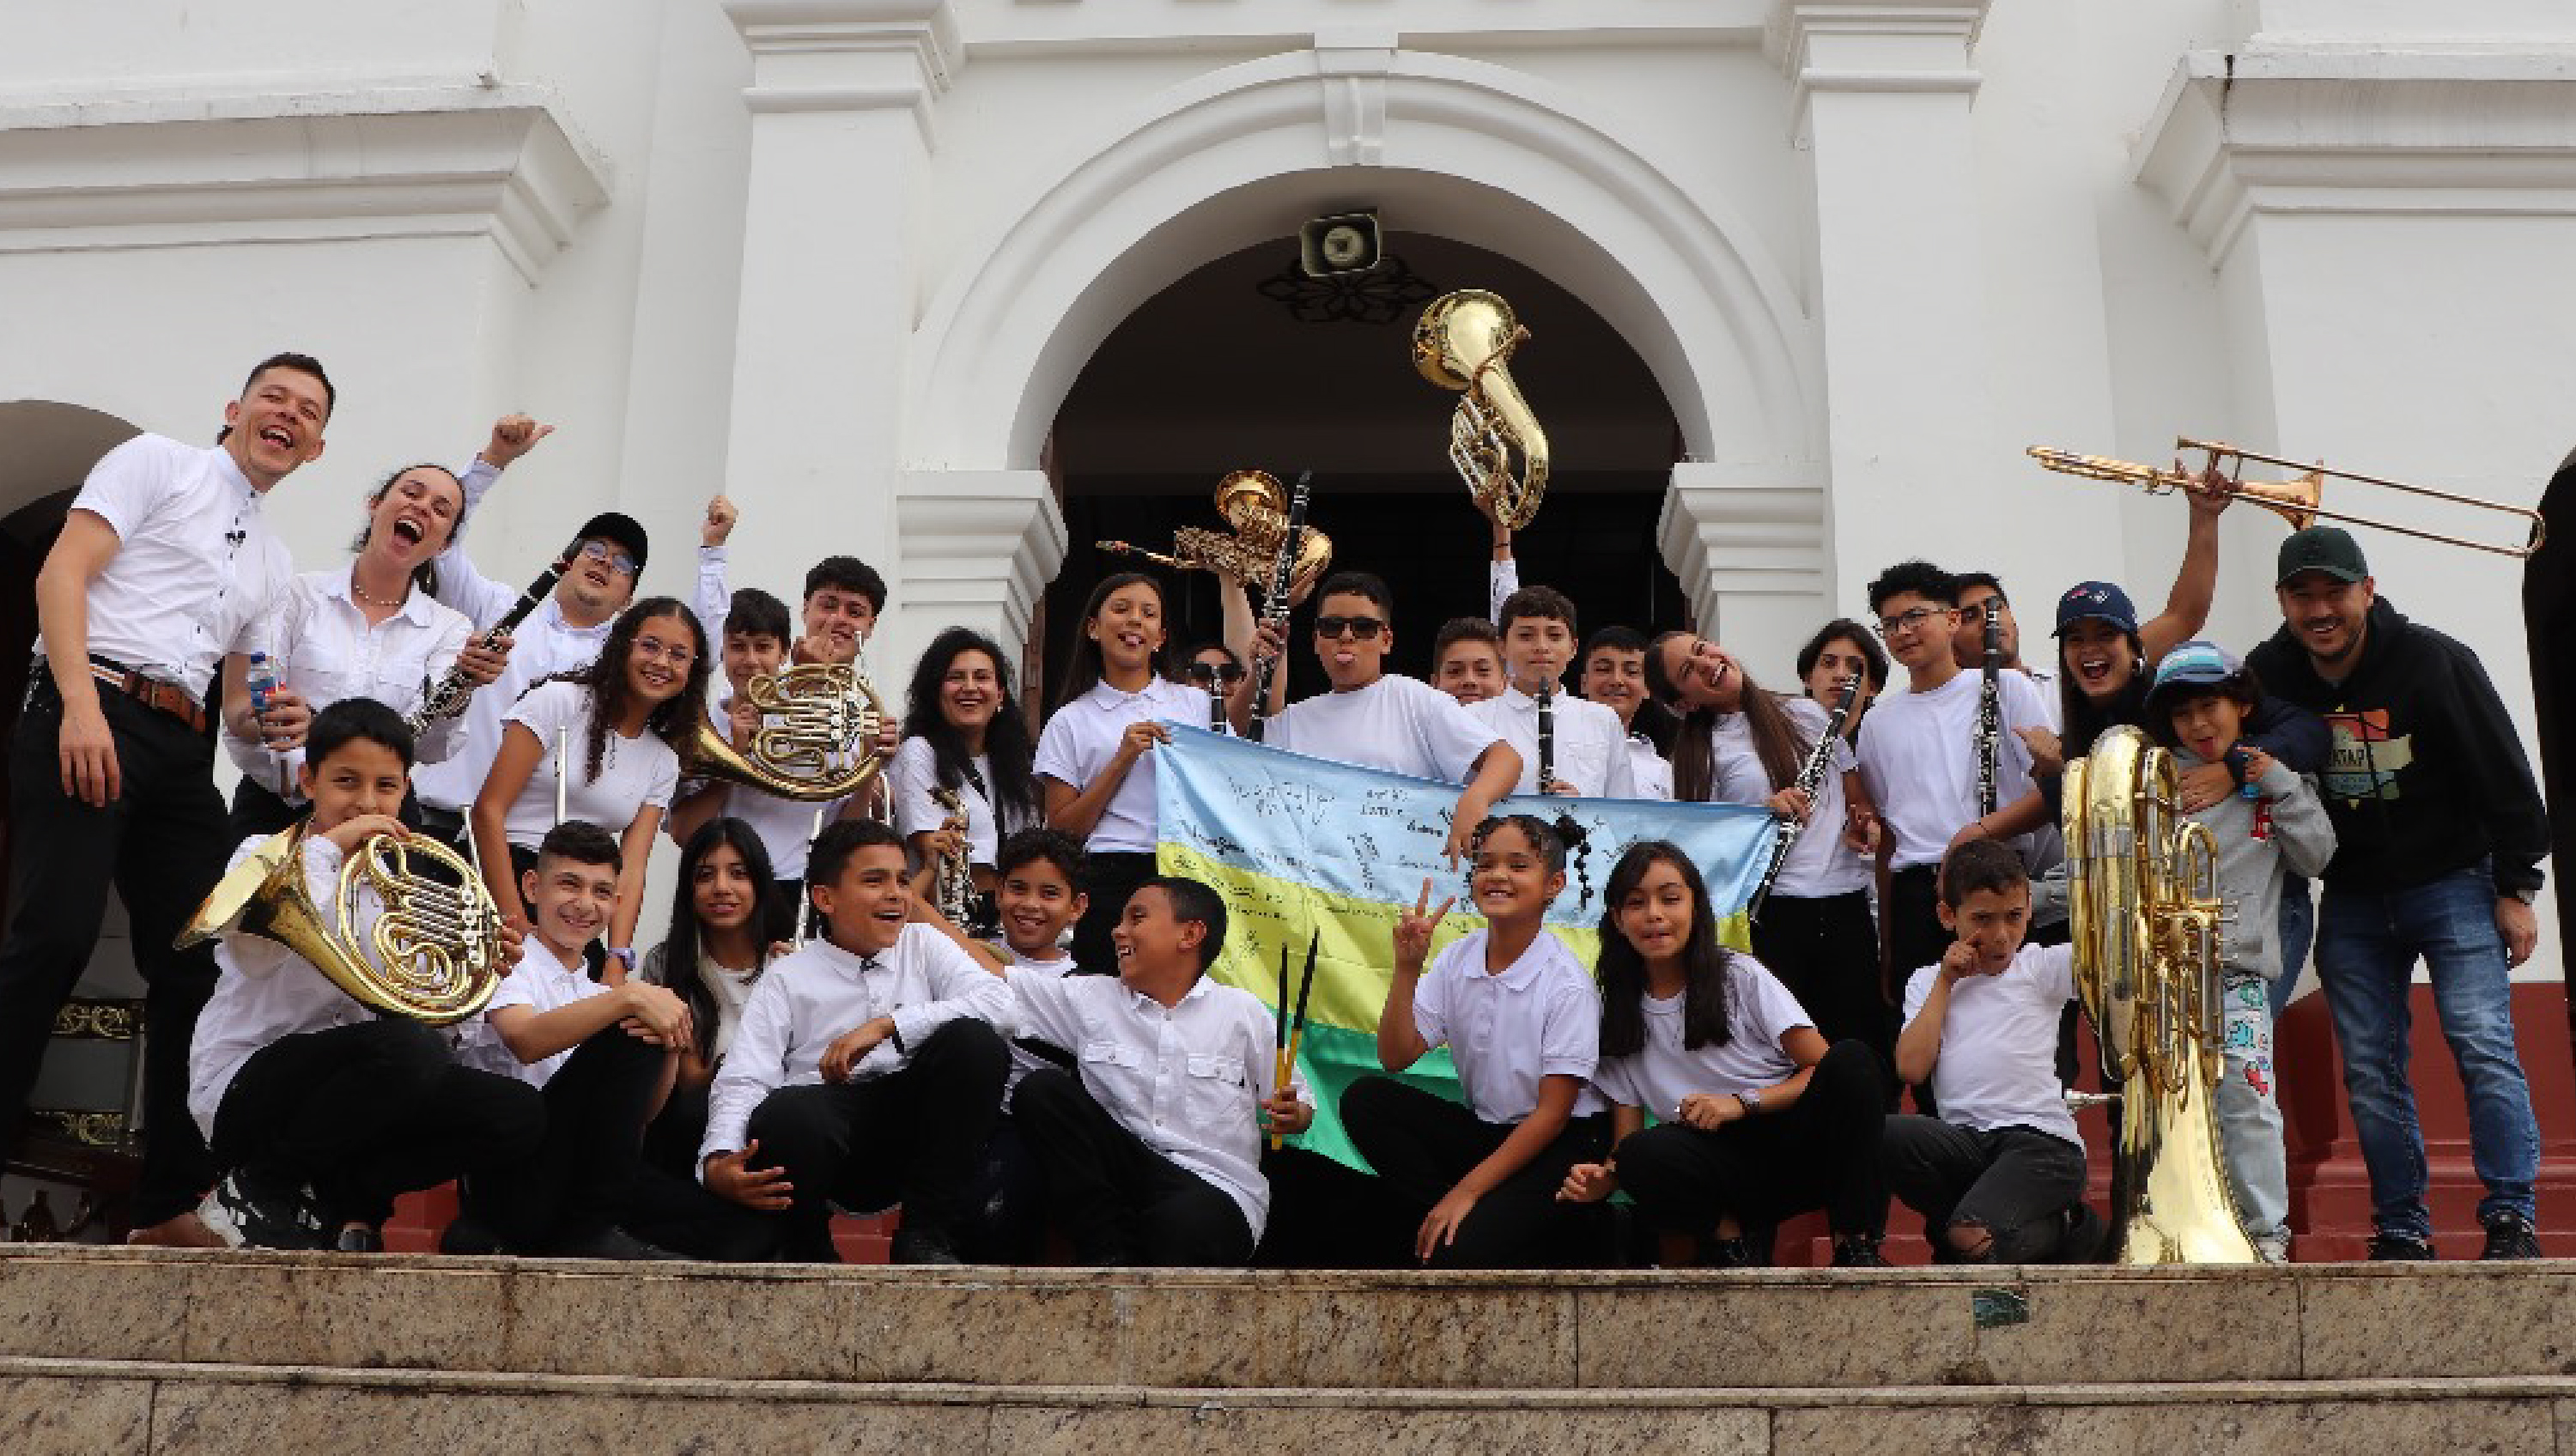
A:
(610, 734)
(1759, 1120)
(963, 732)
(1095, 764)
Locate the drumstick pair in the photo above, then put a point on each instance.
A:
(1293, 1030)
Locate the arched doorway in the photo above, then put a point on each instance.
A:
(2549, 619)
(1214, 373)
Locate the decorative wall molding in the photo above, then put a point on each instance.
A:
(1875, 45)
(439, 161)
(849, 55)
(2368, 132)
(1353, 66)
(1753, 553)
(953, 527)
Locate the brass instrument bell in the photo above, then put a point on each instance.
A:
(817, 738)
(1464, 342)
(1255, 504)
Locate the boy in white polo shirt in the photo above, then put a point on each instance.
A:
(1999, 1175)
(1590, 745)
(1152, 1147)
(1522, 1021)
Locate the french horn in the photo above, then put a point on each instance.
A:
(1255, 504)
(817, 738)
(433, 953)
(1464, 342)
(2148, 927)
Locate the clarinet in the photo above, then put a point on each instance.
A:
(1216, 707)
(1274, 605)
(447, 699)
(1546, 736)
(1990, 709)
(1811, 777)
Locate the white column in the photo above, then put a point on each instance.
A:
(1751, 553)
(1882, 97)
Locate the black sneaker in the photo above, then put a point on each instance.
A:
(921, 1246)
(2510, 1236)
(2388, 1248)
(1724, 1253)
(469, 1236)
(270, 1213)
(607, 1243)
(360, 1239)
(2084, 1236)
(1858, 1251)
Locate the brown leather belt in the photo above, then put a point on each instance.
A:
(151, 692)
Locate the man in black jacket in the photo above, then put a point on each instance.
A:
(2441, 833)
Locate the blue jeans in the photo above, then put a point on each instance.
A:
(2367, 946)
(2298, 933)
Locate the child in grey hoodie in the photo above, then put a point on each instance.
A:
(2274, 827)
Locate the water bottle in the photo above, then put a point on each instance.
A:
(263, 681)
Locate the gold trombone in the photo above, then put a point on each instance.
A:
(2295, 500)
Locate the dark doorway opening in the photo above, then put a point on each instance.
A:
(1212, 375)
(2549, 620)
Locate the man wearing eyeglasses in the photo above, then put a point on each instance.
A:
(1979, 594)
(563, 634)
(1919, 757)
(1378, 719)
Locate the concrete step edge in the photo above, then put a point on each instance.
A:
(2481, 1388)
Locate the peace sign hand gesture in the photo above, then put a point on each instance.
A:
(1414, 928)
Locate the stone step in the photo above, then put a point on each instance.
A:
(106, 1406)
(1177, 1330)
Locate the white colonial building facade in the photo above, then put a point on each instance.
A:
(848, 260)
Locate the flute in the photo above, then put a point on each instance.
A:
(447, 699)
(1274, 605)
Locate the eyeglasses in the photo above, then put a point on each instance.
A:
(1206, 673)
(1975, 616)
(678, 654)
(1363, 629)
(1893, 627)
(618, 561)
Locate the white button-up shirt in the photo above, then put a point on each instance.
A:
(1082, 737)
(195, 566)
(1539, 1017)
(1591, 746)
(321, 647)
(809, 998)
(546, 644)
(1187, 1079)
(1647, 769)
(264, 992)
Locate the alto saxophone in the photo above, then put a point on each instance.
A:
(1811, 777)
(954, 889)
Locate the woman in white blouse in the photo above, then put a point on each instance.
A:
(1095, 761)
(371, 629)
(1758, 1119)
(963, 731)
(619, 725)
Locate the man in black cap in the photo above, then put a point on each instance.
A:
(565, 632)
(2441, 833)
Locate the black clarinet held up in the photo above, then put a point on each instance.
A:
(1990, 714)
(1811, 777)
(1274, 604)
(447, 699)
(1546, 736)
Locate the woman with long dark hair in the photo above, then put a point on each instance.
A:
(1741, 745)
(1095, 762)
(1840, 650)
(963, 732)
(1758, 1119)
(610, 736)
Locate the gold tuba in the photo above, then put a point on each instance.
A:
(817, 738)
(1255, 504)
(433, 954)
(2147, 926)
(1464, 342)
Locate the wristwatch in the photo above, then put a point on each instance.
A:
(624, 955)
(1752, 1101)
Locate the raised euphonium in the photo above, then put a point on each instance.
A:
(433, 954)
(1255, 504)
(817, 738)
(2147, 922)
(1464, 342)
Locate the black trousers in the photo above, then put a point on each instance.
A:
(582, 1177)
(1914, 934)
(1826, 952)
(1117, 1199)
(1421, 1144)
(2016, 1184)
(369, 1111)
(1006, 1209)
(1819, 1152)
(161, 844)
(1109, 879)
(914, 1136)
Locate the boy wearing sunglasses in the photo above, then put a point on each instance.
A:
(1378, 719)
